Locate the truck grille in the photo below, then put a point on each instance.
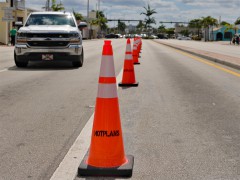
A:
(48, 35)
(48, 43)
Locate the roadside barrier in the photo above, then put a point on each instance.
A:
(106, 155)
(128, 78)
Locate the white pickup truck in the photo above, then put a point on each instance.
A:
(49, 36)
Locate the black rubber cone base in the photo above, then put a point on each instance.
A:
(136, 63)
(120, 171)
(128, 85)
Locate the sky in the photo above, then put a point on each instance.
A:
(167, 10)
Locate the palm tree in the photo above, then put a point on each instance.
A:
(101, 21)
(196, 23)
(162, 28)
(78, 16)
(149, 20)
(121, 26)
(57, 7)
(209, 21)
(223, 23)
(230, 27)
(170, 31)
(140, 26)
(237, 21)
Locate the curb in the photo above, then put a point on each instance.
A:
(232, 65)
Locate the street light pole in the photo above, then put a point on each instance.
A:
(98, 5)
(15, 4)
(99, 24)
(89, 31)
(87, 10)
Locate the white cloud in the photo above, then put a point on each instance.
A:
(167, 10)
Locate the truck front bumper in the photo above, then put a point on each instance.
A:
(74, 49)
(26, 53)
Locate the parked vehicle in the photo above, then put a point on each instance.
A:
(49, 36)
(119, 35)
(183, 38)
(111, 36)
(162, 36)
(153, 36)
(84, 30)
(129, 36)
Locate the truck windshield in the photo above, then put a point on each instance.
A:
(50, 19)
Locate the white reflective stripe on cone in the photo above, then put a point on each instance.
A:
(107, 91)
(107, 66)
(128, 49)
(128, 57)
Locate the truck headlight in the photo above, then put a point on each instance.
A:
(21, 37)
(21, 34)
(74, 35)
(75, 40)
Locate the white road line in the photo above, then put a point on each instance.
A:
(3, 70)
(67, 169)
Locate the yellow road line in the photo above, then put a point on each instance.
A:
(209, 63)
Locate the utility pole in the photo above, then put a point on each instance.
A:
(47, 8)
(99, 24)
(89, 31)
(87, 11)
(16, 6)
(98, 5)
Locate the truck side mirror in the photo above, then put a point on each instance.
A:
(19, 24)
(82, 25)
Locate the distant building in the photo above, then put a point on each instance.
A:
(20, 14)
(92, 31)
(131, 28)
(219, 33)
(179, 29)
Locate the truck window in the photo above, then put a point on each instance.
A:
(50, 19)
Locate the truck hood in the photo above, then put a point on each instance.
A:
(48, 29)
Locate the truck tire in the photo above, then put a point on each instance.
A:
(79, 62)
(18, 63)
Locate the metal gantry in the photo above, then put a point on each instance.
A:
(119, 20)
(162, 22)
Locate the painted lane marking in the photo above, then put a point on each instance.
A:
(205, 61)
(3, 70)
(209, 63)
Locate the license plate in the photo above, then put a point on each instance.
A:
(47, 57)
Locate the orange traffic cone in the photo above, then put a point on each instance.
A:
(135, 54)
(128, 78)
(139, 46)
(106, 154)
(139, 42)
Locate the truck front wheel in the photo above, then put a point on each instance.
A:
(19, 63)
(79, 62)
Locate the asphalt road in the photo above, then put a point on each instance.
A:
(182, 122)
(185, 122)
(43, 109)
